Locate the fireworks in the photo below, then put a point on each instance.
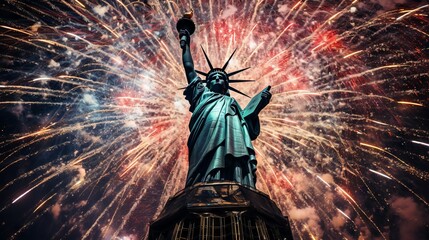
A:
(94, 128)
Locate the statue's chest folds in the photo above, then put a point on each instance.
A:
(233, 110)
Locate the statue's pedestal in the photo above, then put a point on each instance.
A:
(220, 210)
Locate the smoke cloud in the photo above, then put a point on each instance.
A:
(389, 4)
(338, 221)
(101, 10)
(56, 210)
(411, 217)
(308, 215)
(230, 10)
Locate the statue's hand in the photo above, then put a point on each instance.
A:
(266, 96)
(259, 102)
(185, 38)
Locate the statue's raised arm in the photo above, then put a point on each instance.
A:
(185, 27)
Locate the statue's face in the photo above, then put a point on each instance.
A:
(217, 83)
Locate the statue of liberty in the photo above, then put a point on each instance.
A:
(220, 147)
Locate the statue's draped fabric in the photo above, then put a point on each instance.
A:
(219, 144)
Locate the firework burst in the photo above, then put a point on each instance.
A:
(94, 128)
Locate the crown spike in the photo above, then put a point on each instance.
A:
(238, 71)
(207, 59)
(202, 73)
(237, 91)
(227, 62)
(237, 81)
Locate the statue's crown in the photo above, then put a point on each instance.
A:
(223, 72)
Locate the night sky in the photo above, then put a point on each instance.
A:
(93, 124)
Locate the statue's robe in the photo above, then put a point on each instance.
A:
(219, 144)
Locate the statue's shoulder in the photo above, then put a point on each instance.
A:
(234, 102)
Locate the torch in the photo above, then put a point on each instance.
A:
(185, 23)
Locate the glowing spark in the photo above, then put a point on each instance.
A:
(352, 54)
(42, 79)
(318, 46)
(344, 214)
(110, 30)
(386, 67)
(333, 16)
(54, 43)
(296, 5)
(381, 123)
(38, 133)
(411, 12)
(17, 30)
(287, 179)
(410, 103)
(43, 203)
(372, 146)
(345, 193)
(321, 179)
(80, 38)
(421, 143)
(381, 174)
(77, 1)
(76, 184)
(22, 195)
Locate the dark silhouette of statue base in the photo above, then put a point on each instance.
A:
(220, 210)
